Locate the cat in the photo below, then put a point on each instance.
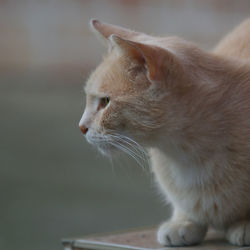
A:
(190, 110)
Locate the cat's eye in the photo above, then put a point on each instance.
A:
(104, 101)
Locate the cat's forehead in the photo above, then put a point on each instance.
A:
(96, 80)
(109, 78)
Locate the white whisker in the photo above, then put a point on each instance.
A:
(123, 143)
(129, 152)
(135, 147)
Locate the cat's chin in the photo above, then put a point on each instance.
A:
(107, 150)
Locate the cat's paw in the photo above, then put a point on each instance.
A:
(181, 233)
(239, 233)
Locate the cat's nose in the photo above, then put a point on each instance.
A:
(83, 129)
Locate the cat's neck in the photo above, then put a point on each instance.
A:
(203, 116)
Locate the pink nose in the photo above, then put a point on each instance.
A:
(84, 129)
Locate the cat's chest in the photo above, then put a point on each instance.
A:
(188, 185)
(178, 171)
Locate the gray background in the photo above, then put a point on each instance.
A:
(52, 183)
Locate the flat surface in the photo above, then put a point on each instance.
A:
(143, 239)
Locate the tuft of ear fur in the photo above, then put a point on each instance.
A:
(104, 30)
(156, 60)
(95, 27)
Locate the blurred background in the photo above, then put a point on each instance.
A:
(52, 183)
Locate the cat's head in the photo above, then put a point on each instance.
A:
(127, 95)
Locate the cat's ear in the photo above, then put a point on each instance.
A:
(104, 30)
(157, 61)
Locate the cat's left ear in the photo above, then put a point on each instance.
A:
(157, 61)
(104, 30)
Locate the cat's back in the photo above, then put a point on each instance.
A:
(237, 43)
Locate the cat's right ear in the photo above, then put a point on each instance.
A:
(104, 30)
(157, 61)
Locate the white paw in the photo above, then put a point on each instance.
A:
(239, 233)
(181, 233)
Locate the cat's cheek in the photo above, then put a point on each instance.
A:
(109, 120)
(105, 124)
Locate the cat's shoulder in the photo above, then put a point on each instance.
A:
(237, 43)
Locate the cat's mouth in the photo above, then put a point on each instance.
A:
(102, 142)
(106, 148)
(112, 143)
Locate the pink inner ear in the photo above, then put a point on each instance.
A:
(148, 56)
(128, 48)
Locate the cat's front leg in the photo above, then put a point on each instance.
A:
(239, 233)
(181, 231)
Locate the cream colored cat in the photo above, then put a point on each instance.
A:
(190, 109)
